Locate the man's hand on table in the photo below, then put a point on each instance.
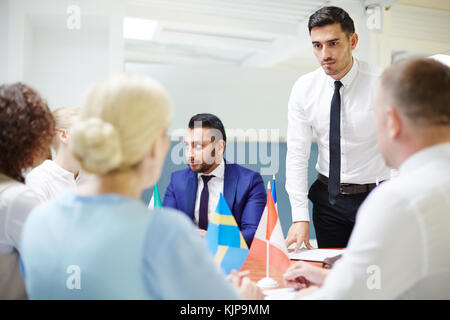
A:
(245, 287)
(298, 233)
(303, 275)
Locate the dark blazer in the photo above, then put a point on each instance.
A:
(243, 190)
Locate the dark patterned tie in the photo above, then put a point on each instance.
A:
(204, 198)
(334, 177)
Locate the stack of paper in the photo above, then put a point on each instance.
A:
(318, 255)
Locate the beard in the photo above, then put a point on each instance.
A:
(201, 167)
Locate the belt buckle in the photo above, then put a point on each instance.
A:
(343, 185)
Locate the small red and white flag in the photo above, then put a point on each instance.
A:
(269, 239)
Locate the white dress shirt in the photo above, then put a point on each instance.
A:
(309, 112)
(400, 246)
(16, 202)
(215, 188)
(49, 180)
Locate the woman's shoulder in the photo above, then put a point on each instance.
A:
(168, 217)
(170, 226)
(16, 203)
(16, 196)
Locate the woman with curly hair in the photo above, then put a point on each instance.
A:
(26, 131)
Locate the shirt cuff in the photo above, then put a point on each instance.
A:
(300, 214)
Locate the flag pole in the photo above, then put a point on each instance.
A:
(267, 259)
(267, 282)
(268, 240)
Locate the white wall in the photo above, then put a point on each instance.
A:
(241, 97)
(412, 29)
(4, 23)
(61, 63)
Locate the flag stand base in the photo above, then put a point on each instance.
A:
(267, 283)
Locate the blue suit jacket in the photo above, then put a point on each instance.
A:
(243, 190)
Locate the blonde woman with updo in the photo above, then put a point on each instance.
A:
(100, 241)
(53, 177)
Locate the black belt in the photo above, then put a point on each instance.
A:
(350, 188)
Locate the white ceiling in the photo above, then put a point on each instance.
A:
(255, 33)
(280, 11)
(251, 33)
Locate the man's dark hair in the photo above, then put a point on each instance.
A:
(331, 15)
(420, 88)
(208, 120)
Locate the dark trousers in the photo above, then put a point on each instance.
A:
(333, 223)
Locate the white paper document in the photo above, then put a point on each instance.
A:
(318, 255)
(280, 294)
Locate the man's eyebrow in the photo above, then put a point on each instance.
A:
(331, 40)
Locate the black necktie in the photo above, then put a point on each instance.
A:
(334, 177)
(204, 198)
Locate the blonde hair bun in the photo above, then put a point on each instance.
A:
(118, 123)
(96, 145)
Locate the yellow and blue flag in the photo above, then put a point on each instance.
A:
(224, 239)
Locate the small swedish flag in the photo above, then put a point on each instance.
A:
(224, 239)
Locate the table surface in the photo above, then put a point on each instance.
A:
(257, 270)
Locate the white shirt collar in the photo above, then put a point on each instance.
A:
(218, 172)
(56, 169)
(425, 155)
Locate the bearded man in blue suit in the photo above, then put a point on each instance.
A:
(196, 189)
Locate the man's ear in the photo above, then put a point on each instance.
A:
(221, 146)
(354, 40)
(394, 123)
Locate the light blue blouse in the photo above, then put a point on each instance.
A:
(113, 247)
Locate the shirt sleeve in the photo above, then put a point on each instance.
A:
(299, 137)
(253, 209)
(169, 196)
(177, 264)
(384, 257)
(21, 205)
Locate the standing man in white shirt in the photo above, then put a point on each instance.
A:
(336, 102)
(400, 248)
